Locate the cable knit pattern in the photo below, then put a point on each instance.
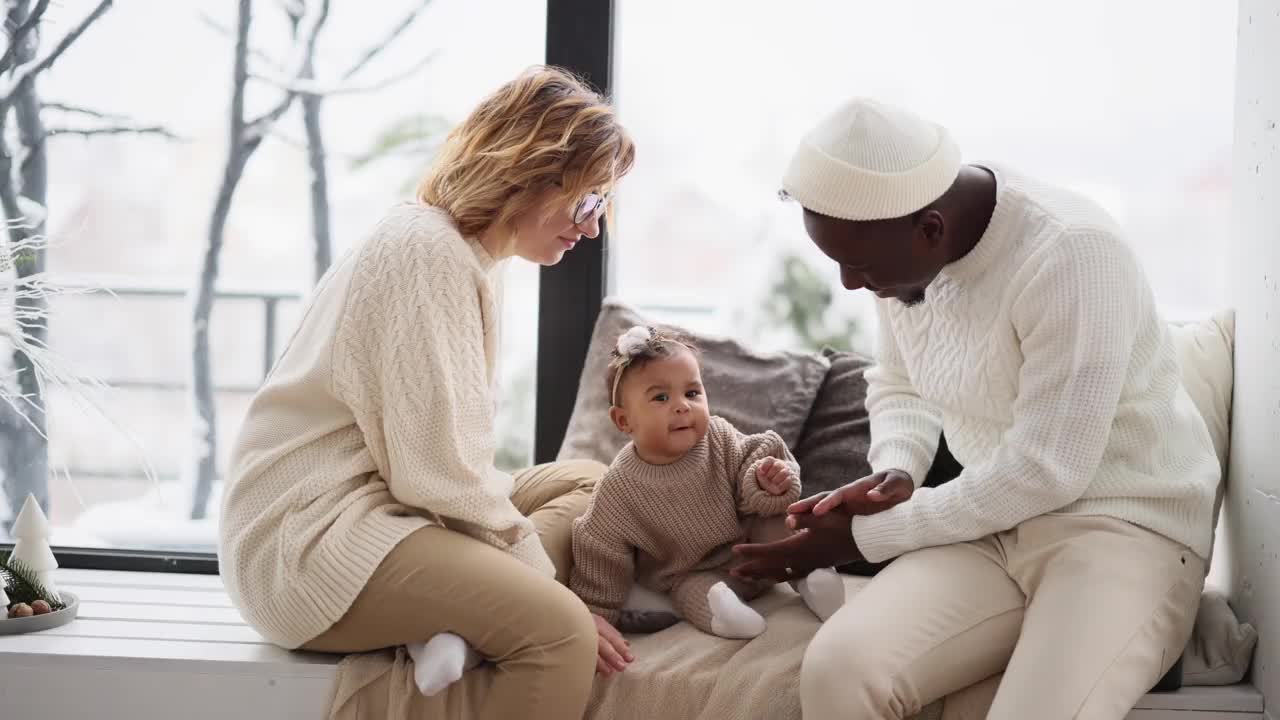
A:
(654, 524)
(1042, 355)
(376, 421)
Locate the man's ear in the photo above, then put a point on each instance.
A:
(932, 228)
(619, 418)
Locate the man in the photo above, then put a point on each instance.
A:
(1070, 552)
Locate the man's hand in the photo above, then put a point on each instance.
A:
(823, 541)
(613, 650)
(774, 476)
(868, 496)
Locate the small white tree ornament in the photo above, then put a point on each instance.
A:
(32, 545)
(4, 599)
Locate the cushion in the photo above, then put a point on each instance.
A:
(1220, 646)
(684, 673)
(755, 391)
(833, 445)
(1205, 359)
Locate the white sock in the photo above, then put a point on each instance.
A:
(730, 617)
(823, 591)
(440, 661)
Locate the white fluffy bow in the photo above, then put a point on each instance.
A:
(633, 340)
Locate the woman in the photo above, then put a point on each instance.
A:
(363, 510)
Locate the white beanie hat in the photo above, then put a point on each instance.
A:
(871, 161)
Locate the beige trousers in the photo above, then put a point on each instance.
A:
(1082, 614)
(538, 634)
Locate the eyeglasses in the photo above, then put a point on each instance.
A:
(592, 206)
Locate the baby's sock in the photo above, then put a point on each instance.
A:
(823, 591)
(730, 617)
(440, 662)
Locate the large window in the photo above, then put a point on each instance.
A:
(1129, 102)
(131, 211)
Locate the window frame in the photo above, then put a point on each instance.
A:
(579, 37)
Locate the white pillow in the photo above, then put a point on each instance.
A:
(1205, 358)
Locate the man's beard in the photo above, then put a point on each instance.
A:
(915, 298)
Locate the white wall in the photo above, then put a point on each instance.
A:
(1253, 497)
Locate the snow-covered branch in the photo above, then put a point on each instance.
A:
(114, 130)
(304, 49)
(27, 70)
(78, 110)
(20, 33)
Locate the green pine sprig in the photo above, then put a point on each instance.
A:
(21, 585)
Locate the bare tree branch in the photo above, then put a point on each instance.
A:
(114, 130)
(27, 70)
(255, 130)
(378, 47)
(304, 50)
(312, 87)
(78, 110)
(258, 53)
(20, 33)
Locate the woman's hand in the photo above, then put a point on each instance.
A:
(774, 476)
(614, 650)
(868, 496)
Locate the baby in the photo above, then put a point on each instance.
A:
(680, 495)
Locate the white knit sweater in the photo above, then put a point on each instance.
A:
(376, 421)
(1042, 355)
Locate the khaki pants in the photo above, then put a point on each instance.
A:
(1082, 614)
(539, 635)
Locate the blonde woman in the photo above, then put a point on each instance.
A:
(363, 510)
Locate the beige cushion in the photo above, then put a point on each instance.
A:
(1205, 358)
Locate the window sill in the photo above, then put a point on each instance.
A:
(157, 645)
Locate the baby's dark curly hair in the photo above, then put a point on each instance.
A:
(661, 343)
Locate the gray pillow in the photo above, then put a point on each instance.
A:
(833, 447)
(832, 450)
(754, 391)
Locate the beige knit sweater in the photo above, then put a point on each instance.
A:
(375, 422)
(653, 523)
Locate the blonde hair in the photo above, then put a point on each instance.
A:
(546, 129)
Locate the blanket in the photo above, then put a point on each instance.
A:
(679, 673)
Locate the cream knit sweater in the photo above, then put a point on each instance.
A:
(1042, 355)
(654, 523)
(375, 422)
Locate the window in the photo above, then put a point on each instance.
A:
(131, 211)
(1086, 94)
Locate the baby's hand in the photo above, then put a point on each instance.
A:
(775, 476)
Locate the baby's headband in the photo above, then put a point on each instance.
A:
(630, 343)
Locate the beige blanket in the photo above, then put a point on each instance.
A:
(679, 673)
